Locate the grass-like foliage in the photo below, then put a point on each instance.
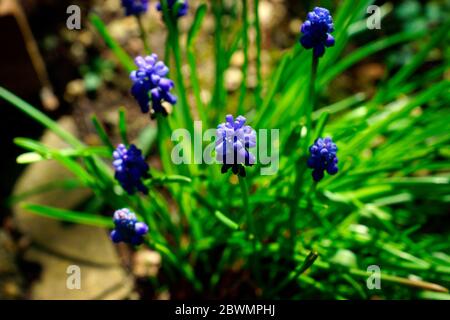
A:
(284, 235)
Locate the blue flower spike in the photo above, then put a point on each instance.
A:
(135, 7)
(130, 168)
(183, 6)
(316, 31)
(127, 228)
(323, 158)
(151, 86)
(233, 139)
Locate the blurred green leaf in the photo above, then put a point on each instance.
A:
(123, 57)
(70, 216)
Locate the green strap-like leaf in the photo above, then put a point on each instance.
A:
(123, 57)
(39, 117)
(70, 216)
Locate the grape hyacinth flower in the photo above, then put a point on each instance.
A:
(316, 31)
(130, 168)
(182, 10)
(135, 7)
(233, 139)
(127, 228)
(323, 157)
(150, 84)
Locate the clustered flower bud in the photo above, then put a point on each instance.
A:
(130, 168)
(127, 228)
(323, 158)
(233, 139)
(135, 7)
(150, 84)
(316, 31)
(151, 88)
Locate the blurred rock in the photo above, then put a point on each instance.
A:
(164, 295)
(233, 78)
(96, 281)
(146, 263)
(111, 6)
(48, 98)
(123, 29)
(271, 14)
(237, 59)
(86, 38)
(10, 278)
(23, 59)
(74, 89)
(252, 79)
(56, 245)
(265, 12)
(294, 26)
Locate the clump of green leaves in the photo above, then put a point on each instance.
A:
(384, 208)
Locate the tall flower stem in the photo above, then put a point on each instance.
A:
(258, 53)
(185, 117)
(243, 90)
(312, 99)
(244, 190)
(179, 67)
(300, 165)
(164, 131)
(149, 219)
(143, 35)
(302, 160)
(219, 93)
(251, 224)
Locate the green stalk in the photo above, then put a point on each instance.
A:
(307, 263)
(69, 216)
(244, 190)
(424, 285)
(163, 137)
(258, 54)
(167, 51)
(123, 126)
(312, 99)
(196, 86)
(187, 118)
(265, 110)
(301, 161)
(164, 213)
(190, 52)
(251, 225)
(218, 100)
(240, 109)
(102, 133)
(171, 22)
(143, 35)
(40, 117)
(300, 166)
(148, 216)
